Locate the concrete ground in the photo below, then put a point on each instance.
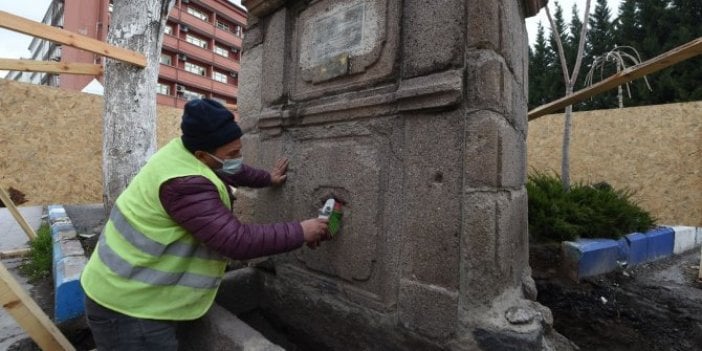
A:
(13, 237)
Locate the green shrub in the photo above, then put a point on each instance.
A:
(586, 211)
(38, 266)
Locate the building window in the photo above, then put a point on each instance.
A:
(220, 77)
(196, 41)
(223, 26)
(221, 51)
(163, 89)
(237, 30)
(166, 59)
(193, 68)
(191, 95)
(168, 30)
(199, 14)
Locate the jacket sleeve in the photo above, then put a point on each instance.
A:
(194, 203)
(248, 176)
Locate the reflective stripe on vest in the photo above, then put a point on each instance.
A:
(154, 248)
(148, 275)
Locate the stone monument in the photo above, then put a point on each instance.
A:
(414, 114)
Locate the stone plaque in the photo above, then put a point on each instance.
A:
(341, 45)
(347, 28)
(339, 32)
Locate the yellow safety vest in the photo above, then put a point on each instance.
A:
(145, 265)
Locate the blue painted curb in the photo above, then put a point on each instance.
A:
(68, 263)
(589, 257)
(661, 242)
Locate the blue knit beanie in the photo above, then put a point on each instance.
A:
(207, 125)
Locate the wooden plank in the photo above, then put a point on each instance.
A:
(29, 316)
(50, 67)
(62, 36)
(667, 59)
(15, 213)
(15, 253)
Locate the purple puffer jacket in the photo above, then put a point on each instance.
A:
(194, 203)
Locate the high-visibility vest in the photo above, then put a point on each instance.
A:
(145, 265)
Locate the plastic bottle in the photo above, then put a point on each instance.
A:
(332, 211)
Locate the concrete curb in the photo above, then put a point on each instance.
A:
(589, 257)
(68, 263)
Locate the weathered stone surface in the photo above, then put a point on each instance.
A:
(253, 37)
(432, 220)
(483, 22)
(349, 170)
(221, 330)
(432, 36)
(312, 312)
(533, 6)
(250, 87)
(512, 233)
(505, 340)
(495, 222)
(428, 151)
(240, 290)
(274, 49)
(519, 315)
(439, 90)
(495, 153)
(487, 75)
(513, 47)
(261, 8)
(427, 309)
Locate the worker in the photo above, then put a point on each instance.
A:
(162, 253)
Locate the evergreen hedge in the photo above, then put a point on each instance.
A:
(586, 211)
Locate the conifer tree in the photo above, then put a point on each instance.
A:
(601, 39)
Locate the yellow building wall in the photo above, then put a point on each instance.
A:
(654, 150)
(51, 142)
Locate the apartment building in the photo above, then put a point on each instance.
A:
(200, 54)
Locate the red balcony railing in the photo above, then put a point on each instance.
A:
(197, 24)
(227, 37)
(168, 72)
(170, 41)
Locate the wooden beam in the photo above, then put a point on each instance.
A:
(24, 252)
(667, 59)
(29, 316)
(61, 36)
(50, 67)
(15, 213)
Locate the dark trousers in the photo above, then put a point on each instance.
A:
(113, 331)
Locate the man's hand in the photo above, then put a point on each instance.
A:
(278, 175)
(315, 230)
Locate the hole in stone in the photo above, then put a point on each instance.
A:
(438, 177)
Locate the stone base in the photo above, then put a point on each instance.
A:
(318, 319)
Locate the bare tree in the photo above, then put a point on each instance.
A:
(129, 133)
(621, 60)
(569, 79)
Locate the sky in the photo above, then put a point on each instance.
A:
(567, 5)
(14, 45)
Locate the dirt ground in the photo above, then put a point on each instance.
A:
(650, 307)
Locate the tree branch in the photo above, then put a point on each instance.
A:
(581, 43)
(559, 44)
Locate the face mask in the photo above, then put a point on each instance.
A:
(230, 166)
